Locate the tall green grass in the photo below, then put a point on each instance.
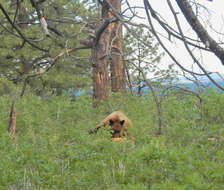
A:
(53, 149)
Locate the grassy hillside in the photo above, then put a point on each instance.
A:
(53, 149)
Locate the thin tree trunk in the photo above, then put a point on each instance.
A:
(201, 102)
(12, 121)
(158, 104)
(128, 78)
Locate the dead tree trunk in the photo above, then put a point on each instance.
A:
(100, 73)
(108, 48)
(116, 44)
(100, 58)
(12, 121)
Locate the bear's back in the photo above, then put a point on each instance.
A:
(117, 115)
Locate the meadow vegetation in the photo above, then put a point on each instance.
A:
(53, 149)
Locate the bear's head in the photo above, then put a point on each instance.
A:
(116, 125)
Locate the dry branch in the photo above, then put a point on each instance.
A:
(12, 121)
(192, 19)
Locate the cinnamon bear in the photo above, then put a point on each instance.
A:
(118, 122)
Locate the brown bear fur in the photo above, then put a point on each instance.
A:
(118, 122)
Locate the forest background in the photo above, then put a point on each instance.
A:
(65, 65)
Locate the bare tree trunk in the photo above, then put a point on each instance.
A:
(117, 62)
(12, 121)
(201, 104)
(128, 78)
(108, 42)
(99, 59)
(100, 74)
(158, 104)
(160, 117)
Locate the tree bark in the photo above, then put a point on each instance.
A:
(108, 48)
(117, 62)
(99, 59)
(100, 71)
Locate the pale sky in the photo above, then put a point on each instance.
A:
(215, 15)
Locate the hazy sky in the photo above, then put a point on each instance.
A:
(214, 14)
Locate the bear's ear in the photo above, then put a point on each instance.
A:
(122, 122)
(111, 122)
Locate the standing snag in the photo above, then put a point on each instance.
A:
(12, 121)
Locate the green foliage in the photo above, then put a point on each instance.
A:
(53, 149)
(6, 86)
(144, 57)
(66, 20)
(214, 107)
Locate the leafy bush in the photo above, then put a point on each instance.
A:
(53, 149)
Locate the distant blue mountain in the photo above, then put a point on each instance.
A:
(204, 81)
(181, 82)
